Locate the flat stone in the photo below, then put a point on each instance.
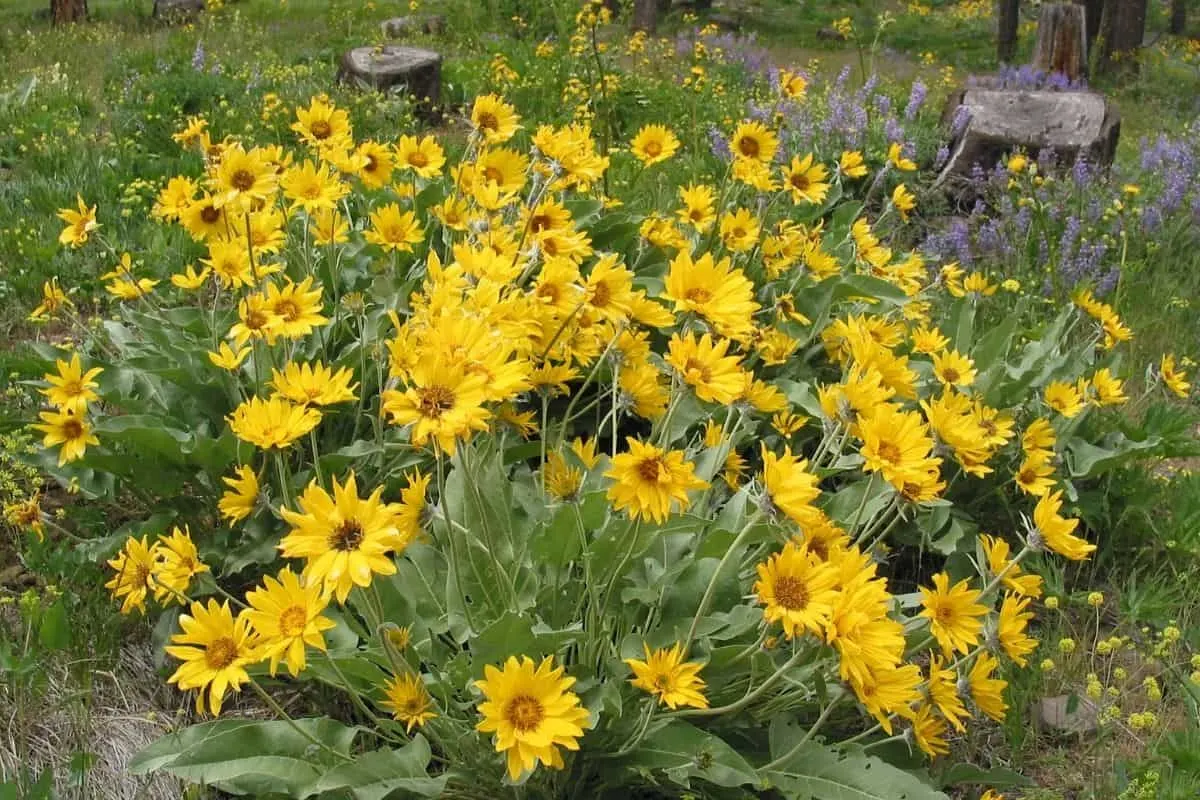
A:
(415, 70)
(172, 8)
(1070, 124)
(1056, 714)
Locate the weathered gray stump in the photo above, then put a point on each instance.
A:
(399, 27)
(417, 71)
(1062, 40)
(170, 9)
(1072, 125)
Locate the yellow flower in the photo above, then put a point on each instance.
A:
(285, 613)
(953, 614)
(343, 538)
(423, 156)
(715, 290)
(323, 126)
(954, 369)
(792, 85)
(1038, 436)
(71, 389)
(134, 578)
(1110, 390)
(54, 298)
(667, 676)
(243, 179)
(495, 120)
(228, 359)
(297, 307)
(328, 227)
(942, 687)
(929, 340)
(215, 650)
(1173, 378)
(1034, 475)
(1056, 532)
(314, 384)
(755, 141)
(532, 712)
(798, 590)
(896, 443)
(312, 188)
(1010, 628)
(806, 180)
(986, 691)
(256, 320)
(654, 143)
(409, 701)
(174, 198)
(703, 365)
(929, 732)
(69, 430)
(740, 230)
(648, 481)
(1017, 163)
(790, 487)
(241, 499)
(26, 514)
(903, 201)
(394, 230)
(787, 423)
(177, 563)
(376, 164)
(189, 279)
(897, 158)
(273, 423)
(79, 223)
(443, 401)
(851, 164)
(1065, 398)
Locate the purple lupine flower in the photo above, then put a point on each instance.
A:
(894, 131)
(718, 143)
(941, 157)
(916, 98)
(198, 56)
(958, 124)
(883, 103)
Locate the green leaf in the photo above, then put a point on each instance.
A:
(54, 631)
(994, 778)
(242, 756)
(682, 752)
(379, 773)
(819, 772)
(1087, 460)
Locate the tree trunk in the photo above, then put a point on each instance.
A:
(1061, 41)
(68, 11)
(1178, 17)
(1094, 9)
(1006, 39)
(645, 15)
(1128, 32)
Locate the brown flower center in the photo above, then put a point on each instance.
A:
(748, 146)
(889, 452)
(701, 371)
(293, 621)
(210, 215)
(799, 181)
(435, 400)
(950, 375)
(418, 159)
(540, 222)
(653, 149)
(493, 174)
(321, 129)
(256, 320)
(242, 180)
(601, 295)
(791, 593)
(347, 536)
(524, 713)
(72, 429)
(650, 469)
(220, 653)
(72, 388)
(697, 295)
(549, 291)
(487, 121)
(288, 309)
(944, 615)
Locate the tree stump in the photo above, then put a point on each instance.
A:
(177, 9)
(384, 68)
(1071, 125)
(1062, 40)
(68, 11)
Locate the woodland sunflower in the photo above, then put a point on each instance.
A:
(230, 262)
(929, 731)
(1173, 378)
(71, 431)
(698, 206)
(215, 649)
(1010, 628)
(344, 538)
(654, 143)
(987, 692)
(134, 579)
(71, 389)
(285, 613)
(1057, 532)
(323, 126)
(495, 120)
(755, 141)
(227, 358)
(423, 156)
(243, 180)
(377, 164)
(954, 614)
(806, 180)
(394, 230)
(274, 423)
(532, 712)
(896, 443)
(790, 487)
(409, 701)
(256, 321)
(942, 688)
(798, 590)
(704, 365)
(1065, 398)
(740, 230)
(313, 384)
(177, 563)
(954, 369)
(648, 482)
(312, 188)
(889, 693)
(1034, 475)
(996, 551)
(298, 307)
(241, 499)
(668, 677)
(717, 291)
(80, 223)
(443, 401)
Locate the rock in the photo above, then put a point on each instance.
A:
(1068, 714)
(399, 27)
(831, 34)
(1072, 125)
(417, 71)
(166, 9)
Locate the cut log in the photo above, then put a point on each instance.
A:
(1071, 125)
(1062, 40)
(416, 71)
